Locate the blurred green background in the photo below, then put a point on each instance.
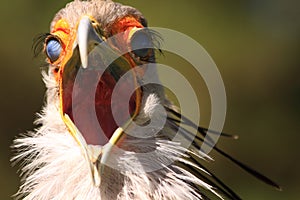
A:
(255, 45)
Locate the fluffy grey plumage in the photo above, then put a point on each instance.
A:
(106, 12)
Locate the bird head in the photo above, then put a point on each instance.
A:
(90, 47)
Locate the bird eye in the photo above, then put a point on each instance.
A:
(53, 49)
(141, 43)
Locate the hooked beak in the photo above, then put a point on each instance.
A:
(87, 39)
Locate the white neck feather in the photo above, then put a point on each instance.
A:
(54, 167)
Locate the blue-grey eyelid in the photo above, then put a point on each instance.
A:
(53, 49)
(140, 43)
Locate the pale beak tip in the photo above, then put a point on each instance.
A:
(84, 63)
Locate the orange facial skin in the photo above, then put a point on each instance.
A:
(126, 26)
(63, 32)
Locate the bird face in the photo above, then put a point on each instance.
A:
(79, 81)
(87, 57)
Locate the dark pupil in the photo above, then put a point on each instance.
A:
(141, 43)
(53, 49)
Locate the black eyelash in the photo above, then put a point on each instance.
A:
(38, 43)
